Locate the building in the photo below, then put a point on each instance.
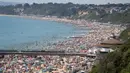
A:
(106, 46)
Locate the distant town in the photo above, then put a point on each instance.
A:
(106, 13)
(105, 48)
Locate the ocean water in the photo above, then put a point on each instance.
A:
(15, 31)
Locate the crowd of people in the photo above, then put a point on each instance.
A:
(44, 64)
(96, 35)
(60, 64)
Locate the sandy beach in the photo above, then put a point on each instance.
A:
(82, 44)
(98, 32)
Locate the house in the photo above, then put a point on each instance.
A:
(82, 13)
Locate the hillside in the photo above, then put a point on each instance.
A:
(117, 61)
(115, 13)
(114, 17)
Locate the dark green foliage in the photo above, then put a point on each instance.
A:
(117, 61)
(114, 17)
(96, 12)
(19, 6)
(26, 5)
(51, 9)
(7, 10)
(125, 35)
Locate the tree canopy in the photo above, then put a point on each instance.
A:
(116, 13)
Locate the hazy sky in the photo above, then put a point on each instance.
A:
(74, 1)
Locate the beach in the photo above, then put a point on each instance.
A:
(98, 32)
(80, 44)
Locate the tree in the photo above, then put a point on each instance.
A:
(19, 6)
(26, 5)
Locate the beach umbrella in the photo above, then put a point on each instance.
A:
(20, 61)
(24, 65)
(44, 70)
(82, 47)
(37, 61)
(49, 68)
(13, 62)
(42, 62)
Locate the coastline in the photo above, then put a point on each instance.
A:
(98, 33)
(90, 39)
(65, 20)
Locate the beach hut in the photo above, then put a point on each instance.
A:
(106, 45)
(103, 46)
(112, 42)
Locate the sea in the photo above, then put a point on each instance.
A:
(20, 33)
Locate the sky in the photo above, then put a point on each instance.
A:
(73, 1)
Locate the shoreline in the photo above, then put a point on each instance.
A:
(49, 19)
(95, 27)
(62, 20)
(98, 33)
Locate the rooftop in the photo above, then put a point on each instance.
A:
(112, 42)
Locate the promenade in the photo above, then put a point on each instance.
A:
(81, 59)
(46, 53)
